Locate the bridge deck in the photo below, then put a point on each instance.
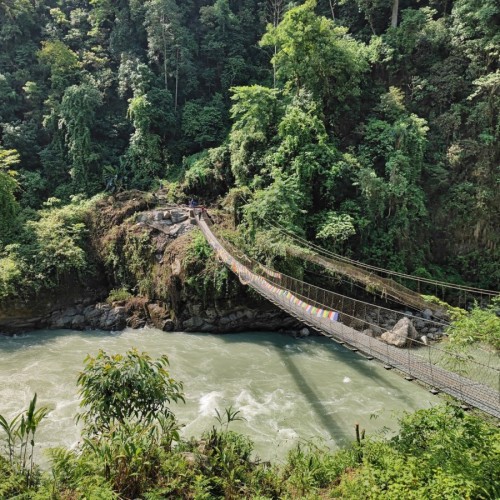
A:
(412, 364)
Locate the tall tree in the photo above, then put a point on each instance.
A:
(316, 55)
(78, 111)
(395, 12)
(8, 187)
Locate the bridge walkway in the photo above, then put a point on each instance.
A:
(414, 363)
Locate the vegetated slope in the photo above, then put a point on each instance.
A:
(372, 135)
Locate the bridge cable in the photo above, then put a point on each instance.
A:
(445, 352)
(326, 252)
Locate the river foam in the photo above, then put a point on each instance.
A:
(286, 390)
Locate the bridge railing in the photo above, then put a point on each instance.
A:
(458, 375)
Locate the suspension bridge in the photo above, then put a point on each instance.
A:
(343, 320)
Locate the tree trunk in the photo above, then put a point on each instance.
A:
(395, 8)
(164, 37)
(332, 4)
(176, 78)
(276, 12)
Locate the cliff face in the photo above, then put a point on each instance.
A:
(149, 250)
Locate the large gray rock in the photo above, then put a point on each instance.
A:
(115, 319)
(142, 218)
(178, 217)
(168, 326)
(402, 333)
(304, 332)
(78, 322)
(193, 323)
(427, 314)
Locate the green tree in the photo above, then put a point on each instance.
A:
(62, 61)
(390, 181)
(8, 186)
(167, 40)
(146, 158)
(315, 54)
(204, 123)
(255, 113)
(116, 389)
(78, 110)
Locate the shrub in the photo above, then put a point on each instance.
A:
(116, 389)
(118, 294)
(478, 325)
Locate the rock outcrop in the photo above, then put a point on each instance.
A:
(402, 334)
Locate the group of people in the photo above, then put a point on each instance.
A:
(201, 209)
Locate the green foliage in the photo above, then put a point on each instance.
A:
(439, 453)
(8, 186)
(62, 61)
(208, 174)
(335, 227)
(78, 109)
(12, 482)
(20, 441)
(309, 469)
(118, 294)
(479, 325)
(205, 276)
(315, 54)
(53, 247)
(145, 158)
(123, 389)
(204, 123)
(254, 112)
(282, 202)
(390, 178)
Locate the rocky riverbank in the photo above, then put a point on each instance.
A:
(139, 312)
(143, 246)
(147, 248)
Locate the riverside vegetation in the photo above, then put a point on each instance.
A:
(131, 448)
(371, 136)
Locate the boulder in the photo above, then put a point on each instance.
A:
(158, 314)
(178, 217)
(115, 319)
(211, 313)
(369, 332)
(427, 314)
(141, 218)
(304, 332)
(78, 322)
(420, 324)
(91, 314)
(136, 321)
(402, 333)
(168, 326)
(193, 324)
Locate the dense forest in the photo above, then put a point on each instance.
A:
(368, 126)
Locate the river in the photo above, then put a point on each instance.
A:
(288, 390)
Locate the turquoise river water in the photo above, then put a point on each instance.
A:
(288, 390)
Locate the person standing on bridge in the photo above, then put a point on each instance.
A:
(202, 212)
